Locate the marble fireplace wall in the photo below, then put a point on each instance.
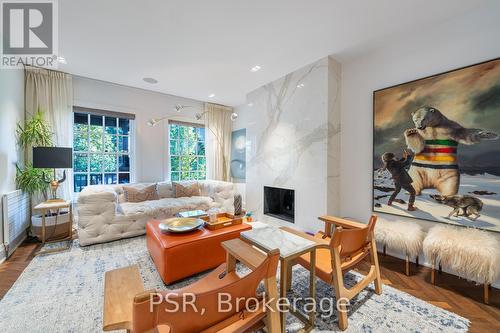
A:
(293, 141)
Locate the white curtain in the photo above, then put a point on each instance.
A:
(218, 126)
(52, 93)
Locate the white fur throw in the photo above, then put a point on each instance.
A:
(470, 253)
(405, 237)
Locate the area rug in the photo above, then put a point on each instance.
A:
(63, 292)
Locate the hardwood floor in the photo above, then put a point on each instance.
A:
(450, 293)
(15, 265)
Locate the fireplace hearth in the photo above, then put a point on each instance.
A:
(279, 203)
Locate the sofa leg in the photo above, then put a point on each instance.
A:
(486, 293)
(433, 272)
(407, 270)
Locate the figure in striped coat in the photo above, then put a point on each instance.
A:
(435, 140)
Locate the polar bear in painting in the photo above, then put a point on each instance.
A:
(434, 140)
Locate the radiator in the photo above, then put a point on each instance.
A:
(16, 219)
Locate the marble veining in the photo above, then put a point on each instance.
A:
(293, 141)
(271, 238)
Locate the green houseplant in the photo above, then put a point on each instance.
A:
(36, 132)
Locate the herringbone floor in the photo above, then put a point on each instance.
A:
(450, 292)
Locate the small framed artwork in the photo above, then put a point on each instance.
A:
(436, 147)
(238, 155)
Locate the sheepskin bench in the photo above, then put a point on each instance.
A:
(404, 237)
(470, 253)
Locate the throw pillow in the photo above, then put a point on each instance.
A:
(186, 190)
(133, 194)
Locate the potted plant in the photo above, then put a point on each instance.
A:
(36, 132)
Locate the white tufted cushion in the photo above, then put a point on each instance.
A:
(405, 237)
(472, 253)
(102, 217)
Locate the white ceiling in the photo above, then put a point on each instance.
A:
(198, 48)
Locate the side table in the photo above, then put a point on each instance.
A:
(55, 205)
(291, 246)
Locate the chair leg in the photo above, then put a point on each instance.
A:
(289, 276)
(416, 261)
(433, 271)
(440, 268)
(338, 285)
(407, 265)
(374, 260)
(486, 295)
(273, 317)
(384, 250)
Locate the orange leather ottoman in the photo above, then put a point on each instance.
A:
(177, 256)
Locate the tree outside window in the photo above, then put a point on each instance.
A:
(101, 150)
(187, 152)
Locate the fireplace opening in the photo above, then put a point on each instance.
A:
(279, 203)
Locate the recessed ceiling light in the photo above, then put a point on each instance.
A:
(150, 80)
(250, 104)
(301, 85)
(211, 95)
(62, 60)
(255, 68)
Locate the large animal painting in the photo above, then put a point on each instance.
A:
(437, 147)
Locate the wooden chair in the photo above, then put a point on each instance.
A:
(152, 311)
(350, 244)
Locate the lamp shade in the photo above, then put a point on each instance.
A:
(53, 157)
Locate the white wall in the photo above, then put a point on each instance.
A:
(462, 41)
(151, 143)
(11, 112)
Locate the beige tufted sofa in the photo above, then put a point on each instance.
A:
(103, 214)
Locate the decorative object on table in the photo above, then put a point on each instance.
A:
(212, 214)
(470, 253)
(238, 155)
(134, 194)
(65, 222)
(192, 213)
(53, 158)
(405, 237)
(221, 220)
(341, 252)
(238, 204)
(449, 123)
(180, 224)
(248, 217)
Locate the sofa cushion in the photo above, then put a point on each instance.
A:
(166, 207)
(165, 190)
(133, 194)
(189, 189)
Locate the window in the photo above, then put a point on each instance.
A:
(187, 151)
(101, 150)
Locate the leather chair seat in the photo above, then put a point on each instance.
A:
(324, 261)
